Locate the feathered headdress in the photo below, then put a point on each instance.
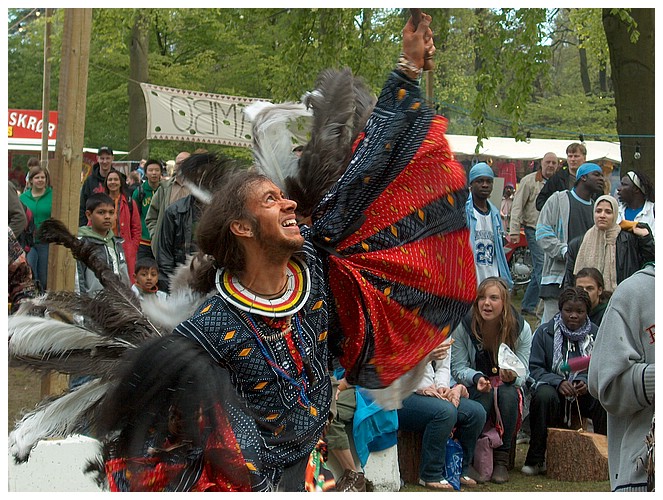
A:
(328, 121)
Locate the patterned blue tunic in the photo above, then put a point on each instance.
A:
(289, 414)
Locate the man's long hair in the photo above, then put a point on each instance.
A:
(213, 232)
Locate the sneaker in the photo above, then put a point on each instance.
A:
(534, 470)
(351, 481)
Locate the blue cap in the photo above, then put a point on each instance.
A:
(481, 170)
(586, 168)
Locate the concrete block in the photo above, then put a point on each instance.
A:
(383, 471)
(55, 465)
(381, 468)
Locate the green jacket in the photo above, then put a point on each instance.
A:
(40, 207)
(143, 196)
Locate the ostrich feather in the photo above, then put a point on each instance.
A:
(277, 129)
(341, 104)
(206, 171)
(170, 312)
(66, 415)
(47, 344)
(116, 307)
(203, 173)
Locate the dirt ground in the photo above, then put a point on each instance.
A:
(23, 393)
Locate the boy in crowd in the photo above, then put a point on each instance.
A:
(100, 210)
(146, 276)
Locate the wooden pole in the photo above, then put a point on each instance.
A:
(46, 90)
(66, 171)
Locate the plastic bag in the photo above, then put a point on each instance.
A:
(454, 463)
(507, 360)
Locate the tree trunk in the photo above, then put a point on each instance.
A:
(584, 72)
(66, 166)
(603, 81)
(138, 72)
(632, 66)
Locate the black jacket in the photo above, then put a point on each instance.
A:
(632, 252)
(541, 355)
(94, 183)
(176, 240)
(559, 181)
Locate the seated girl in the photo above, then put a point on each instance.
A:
(493, 321)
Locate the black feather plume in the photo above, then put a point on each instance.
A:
(116, 308)
(170, 390)
(204, 173)
(341, 105)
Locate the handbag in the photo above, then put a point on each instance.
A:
(489, 439)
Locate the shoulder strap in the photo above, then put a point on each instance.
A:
(141, 195)
(498, 415)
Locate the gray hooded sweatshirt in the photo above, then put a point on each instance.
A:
(621, 377)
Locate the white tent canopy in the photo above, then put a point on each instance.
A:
(509, 148)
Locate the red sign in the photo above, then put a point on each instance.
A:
(27, 124)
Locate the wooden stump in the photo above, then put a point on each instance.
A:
(409, 455)
(577, 455)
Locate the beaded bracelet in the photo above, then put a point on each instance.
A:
(408, 67)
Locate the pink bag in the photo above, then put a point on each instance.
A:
(489, 439)
(483, 451)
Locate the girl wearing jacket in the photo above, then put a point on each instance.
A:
(493, 321)
(558, 392)
(126, 223)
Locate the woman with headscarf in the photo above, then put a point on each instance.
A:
(616, 250)
(560, 378)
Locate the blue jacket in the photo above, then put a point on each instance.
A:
(498, 235)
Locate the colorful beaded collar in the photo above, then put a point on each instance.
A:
(297, 290)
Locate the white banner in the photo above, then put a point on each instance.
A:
(185, 115)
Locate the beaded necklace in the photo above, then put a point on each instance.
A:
(307, 372)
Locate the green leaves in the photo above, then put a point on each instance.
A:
(498, 71)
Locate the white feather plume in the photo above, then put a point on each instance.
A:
(203, 195)
(277, 129)
(58, 418)
(43, 336)
(169, 312)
